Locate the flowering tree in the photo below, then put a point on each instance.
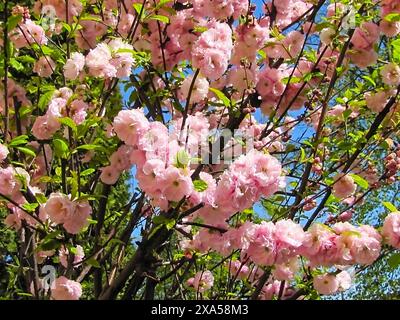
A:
(196, 149)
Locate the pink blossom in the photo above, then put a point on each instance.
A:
(176, 185)
(203, 281)
(211, 52)
(286, 270)
(151, 175)
(363, 58)
(129, 125)
(346, 215)
(199, 91)
(206, 196)
(120, 158)
(319, 245)
(376, 101)
(238, 270)
(391, 229)
(65, 289)
(344, 186)
(41, 256)
(3, 152)
(77, 111)
(344, 279)
(78, 218)
(365, 36)
(122, 59)
(44, 67)
(326, 284)
(74, 66)
(109, 175)
(390, 29)
(327, 35)
(59, 208)
(9, 184)
(289, 233)
(28, 34)
(391, 74)
(260, 243)
(98, 62)
(45, 126)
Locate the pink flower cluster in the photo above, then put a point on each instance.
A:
(27, 34)
(202, 281)
(106, 60)
(363, 40)
(267, 244)
(59, 8)
(44, 67)
(280, 244)
(391, 229)
(287, 11)
(248, 39)
(344, 186)
(212, 51)
(330, 283)
(65, 289)
(220, 9)
(45, 126)
(73, 215)
(251, 176)
(343, 244)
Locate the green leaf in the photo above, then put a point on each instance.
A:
(61, 148)
(87, 172)
(69, 123)
(67, 27)
(345, 145)
(90, 18)
(26, 59)
(45, 99)
(90, 147)
(17, 141)
(393, 17)
(159, 18)
(182, 159)
(221, 96)
(13, 21)
(288, 80)
(302, 154)
(200, 29)
(72, 249)
(396, 49)
(50, 245)
(138, 7)
(390, 206)
(27, 150)
(161, 220)
(370, 80)
(347, 113)
(200, 185)
(161, 3)
(25, 110)
(30, 207)
(360, 181)
(93, 262)
(41, 198)
(394, 260)
(262, 54)
(52, 235)
(15, 64)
